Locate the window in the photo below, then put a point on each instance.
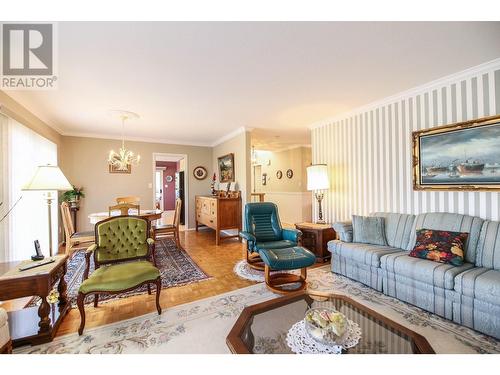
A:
(23, 151)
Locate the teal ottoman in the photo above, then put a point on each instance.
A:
(290, 258)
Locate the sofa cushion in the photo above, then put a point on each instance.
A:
(361, 253)
(344, 230)
(275, 245)
(488, 246)
(437, 274)
(480, 283)
(397, 228)
(440, 246)
(451, 222)
(368, 229)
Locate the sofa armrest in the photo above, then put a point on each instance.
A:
(344, 230)
(292, 234)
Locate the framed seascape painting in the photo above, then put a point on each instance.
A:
(226, 168)
(462, 156)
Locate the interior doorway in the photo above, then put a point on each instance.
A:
(169, 176)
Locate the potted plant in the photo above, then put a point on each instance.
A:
(73, 196)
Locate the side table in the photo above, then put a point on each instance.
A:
(315, 238)
(39, 324)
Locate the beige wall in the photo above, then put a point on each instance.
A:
(239, 145)
(296, 159)
(13, 109)
(290, 194)
(84, 162)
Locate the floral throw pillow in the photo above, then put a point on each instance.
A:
(440, 246)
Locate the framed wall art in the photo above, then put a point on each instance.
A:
(200, 173)
(461, 156)
(115, 169)
(226, 168)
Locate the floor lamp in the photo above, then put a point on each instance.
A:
(317, 180)
(48, 178)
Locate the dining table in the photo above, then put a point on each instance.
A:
(149, 215)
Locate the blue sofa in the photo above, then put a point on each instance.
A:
(468, 294)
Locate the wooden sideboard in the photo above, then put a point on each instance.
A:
(218, 214)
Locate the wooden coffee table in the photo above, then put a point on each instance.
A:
(259, 325)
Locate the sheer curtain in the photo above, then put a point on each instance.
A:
(28, 220)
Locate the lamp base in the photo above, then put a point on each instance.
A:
(320, 222)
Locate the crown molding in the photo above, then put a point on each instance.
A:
(136, 139)
(231, 135)
(443, 81)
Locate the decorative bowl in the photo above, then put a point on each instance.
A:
(326, 326)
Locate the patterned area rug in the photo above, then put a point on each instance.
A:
(176, 268)
(202, 326)
(244, 271)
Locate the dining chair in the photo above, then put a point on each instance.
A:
(130, 199)
(124, 208)
(170, 229)
(74, 240)
(124, 260)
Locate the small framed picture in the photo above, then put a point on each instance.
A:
(279, 175)
(200, 173)
(289, 173)
(115, 169)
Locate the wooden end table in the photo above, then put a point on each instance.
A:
(315, 238)
(39, 324)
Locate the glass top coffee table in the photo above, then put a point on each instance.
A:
(262, 328)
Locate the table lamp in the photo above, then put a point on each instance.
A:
(317, 179)
(47, 178)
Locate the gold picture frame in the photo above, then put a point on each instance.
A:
(476, 170)
(226, 168)
(114, 169)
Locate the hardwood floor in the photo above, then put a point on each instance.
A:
(216, 261)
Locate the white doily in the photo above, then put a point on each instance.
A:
(300, 342)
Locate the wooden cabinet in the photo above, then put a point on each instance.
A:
(315, 238)
(218, 214)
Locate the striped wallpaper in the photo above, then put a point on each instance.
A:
(369, 150)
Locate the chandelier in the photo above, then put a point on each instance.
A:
(123, 158)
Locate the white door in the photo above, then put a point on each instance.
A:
(159, 188)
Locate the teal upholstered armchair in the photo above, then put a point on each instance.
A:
(263, 231)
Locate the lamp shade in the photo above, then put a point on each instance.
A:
(48, 177)
(317, 177)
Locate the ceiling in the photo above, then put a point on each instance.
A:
(196, 82)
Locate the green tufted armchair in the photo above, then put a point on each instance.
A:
(263, 231)
(124, 260)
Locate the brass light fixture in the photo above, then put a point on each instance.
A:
(317, 180)
(123, 158)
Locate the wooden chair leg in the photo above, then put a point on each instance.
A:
(96, 299)
(149, 289)
(276, 281)
(254, 261)
(158, 291)
(177, 240)
(81, 308)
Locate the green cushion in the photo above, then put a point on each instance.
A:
(288, 259)
(118, 277)
(121, 238)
